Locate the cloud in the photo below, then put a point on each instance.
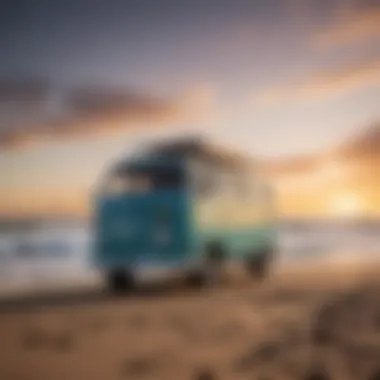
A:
(364, 145)
(100, 102)
(94, 110)
(354, 162)
(23, 89)
(322, 85)
(353, 26)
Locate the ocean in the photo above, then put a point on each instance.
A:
(53, 254)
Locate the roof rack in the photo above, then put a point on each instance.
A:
(196, 147)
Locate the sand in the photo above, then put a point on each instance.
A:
(320, 323)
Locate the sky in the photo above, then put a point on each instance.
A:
(83, 82)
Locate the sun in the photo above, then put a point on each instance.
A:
(347, 205)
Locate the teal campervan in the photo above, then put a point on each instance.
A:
(186, 206)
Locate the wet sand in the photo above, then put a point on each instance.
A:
(320, 323)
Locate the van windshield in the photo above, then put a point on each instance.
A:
(143, 179)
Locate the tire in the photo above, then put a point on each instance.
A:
(120, 281)
(258, 264)
(211, 272)
(196, 279)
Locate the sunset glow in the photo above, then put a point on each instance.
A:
(347, 205)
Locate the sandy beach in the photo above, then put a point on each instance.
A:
(320, 323)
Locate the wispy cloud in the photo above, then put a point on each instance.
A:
(356, 25)
(91, 110)
(322, 85)
(365, 144)
(23, 89)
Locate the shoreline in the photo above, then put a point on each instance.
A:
(305, 271)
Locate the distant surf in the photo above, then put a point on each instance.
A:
(54, 253)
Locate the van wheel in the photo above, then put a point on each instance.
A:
(196, 279)
(120, 281)
(211, 272)
(258, 264)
